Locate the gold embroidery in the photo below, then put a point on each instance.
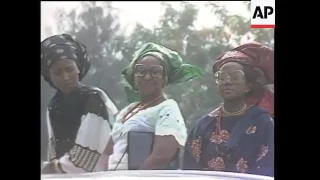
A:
(219, 138)
(263, 152)
(251, 130)
(196, 148)
(84, 157)
(242, 166)
(217, 164)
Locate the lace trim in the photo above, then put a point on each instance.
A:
(83, 157)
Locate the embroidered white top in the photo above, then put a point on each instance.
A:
(91, 140)
(162, 119)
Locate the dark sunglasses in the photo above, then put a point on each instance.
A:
(234, 77)
(155, 71)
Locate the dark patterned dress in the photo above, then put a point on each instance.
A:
(243, 143)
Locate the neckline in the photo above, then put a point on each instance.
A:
(135, 103)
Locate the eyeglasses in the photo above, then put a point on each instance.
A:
(141, 70)
(234, 77)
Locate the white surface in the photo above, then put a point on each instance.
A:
(161, 175)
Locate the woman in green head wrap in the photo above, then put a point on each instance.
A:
(152, 68)
(169, 69)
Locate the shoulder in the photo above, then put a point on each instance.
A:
(214, 113)
(97, 101)
(267, 119)
(54, 100)
(125, 109)
(169, 109)
(264, 122)
(169, 105)
(201, 126)
(92, 92)
(209, 117)
(262, 116)
(98, 96)
(204, 122)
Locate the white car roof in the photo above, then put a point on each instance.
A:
(157, 175)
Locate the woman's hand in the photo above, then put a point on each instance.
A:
(51, 167)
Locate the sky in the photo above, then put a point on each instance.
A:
(146, 13)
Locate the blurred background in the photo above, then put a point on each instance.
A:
(200, 31)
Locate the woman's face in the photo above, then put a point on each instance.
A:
(149, 76)
(231, 81)
(65, 75)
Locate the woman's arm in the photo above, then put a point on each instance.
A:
(170, 132)
(165, 147)
(91, 141)
(107, 152)
(109, 148)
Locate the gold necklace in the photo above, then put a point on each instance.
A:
(241, 111)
